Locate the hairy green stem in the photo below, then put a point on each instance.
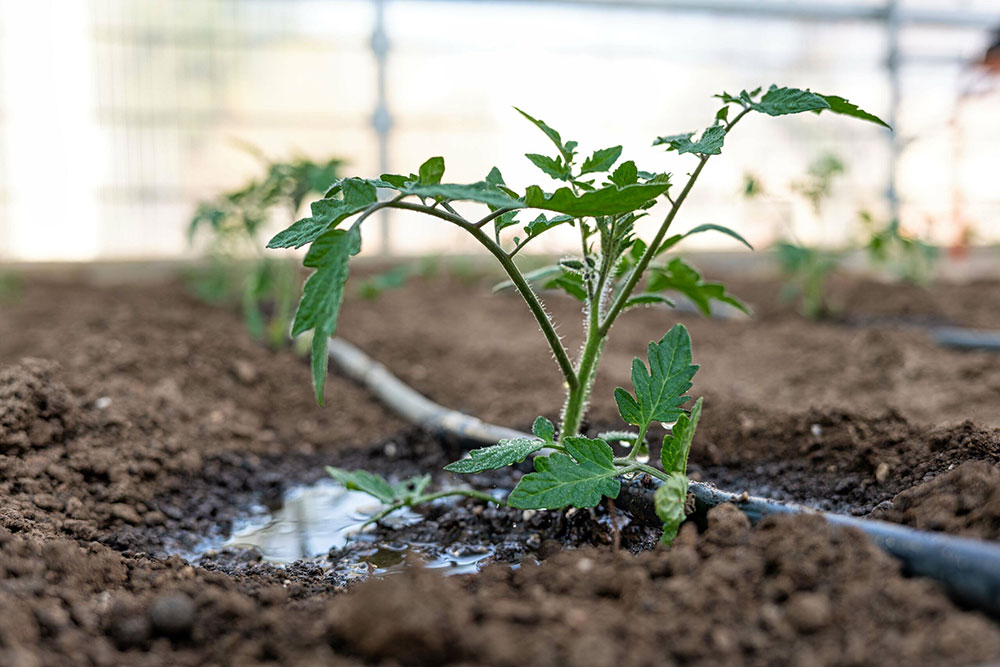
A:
(628, 465)
(638, 443)
(640, 268)
(468, 493)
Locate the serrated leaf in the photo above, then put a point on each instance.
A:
(783, 101)
(601, 160)
(559, 481)
(611, 200)
(839, 105)
(677, 445)
(323, 293)
(710, 142)
(625, 174)
(431, 171)
(659, 391)
(364, 481)
(544, 429)
(357, 194)
(504, 453)
(711, 227)
(669, 502)
(480, 191)
(550, 166)
(678, 275)
(543, 224)
(566, 150)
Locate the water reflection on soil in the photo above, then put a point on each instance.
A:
(325, 516)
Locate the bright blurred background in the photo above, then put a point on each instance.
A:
(118, 116)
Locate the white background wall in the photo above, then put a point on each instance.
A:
(116, 116)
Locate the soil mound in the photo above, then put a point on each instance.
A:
(963, 501)
(36, 410)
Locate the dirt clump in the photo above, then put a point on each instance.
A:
(963, 501)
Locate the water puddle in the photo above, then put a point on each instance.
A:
(325, 517)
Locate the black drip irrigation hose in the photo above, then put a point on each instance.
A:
(968, 568)
(968, 339)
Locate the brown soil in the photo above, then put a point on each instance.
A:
(134, 421)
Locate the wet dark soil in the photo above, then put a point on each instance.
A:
(135, 423)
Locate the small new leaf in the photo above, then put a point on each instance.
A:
(431, 171)
(544, 429)
(625, 174)
(669, 502)
(677, 445)
(710, 142)
(364, 481)
(601, 160)
(559, 481)
(659, 391)
(550, 166)
(566, 150)
(323, 294)
(500, 455)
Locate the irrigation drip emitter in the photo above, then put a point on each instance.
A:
(968, 568)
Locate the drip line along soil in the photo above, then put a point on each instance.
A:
(198, 423)
(969, 569)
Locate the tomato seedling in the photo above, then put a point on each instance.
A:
(614, 271)
(233, 223)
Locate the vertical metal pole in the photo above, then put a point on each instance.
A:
(381, 119)
(892, 69)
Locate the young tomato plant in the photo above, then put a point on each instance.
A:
(614, 271)
(233, 221)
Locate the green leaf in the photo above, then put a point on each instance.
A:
(669, 502)
(611, 200)
(783, 101)
(685, 279)
(357, 194)
(571, 283)
(480, 191)
(544, 429)
(504, 453)
(364, 481)
(601, 160)
(711, 227)
(323, 294)
(543, 224)
(841, 106)
(580, 481)
(659, 391)
(625, 174)
(710, 142)
(566, 150)
(431, 171)
(397, 180)
(408, 490)
(647, 299)
(550, 166)
(677, 445)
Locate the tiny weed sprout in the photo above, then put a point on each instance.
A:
(614, 271)
(233, 222)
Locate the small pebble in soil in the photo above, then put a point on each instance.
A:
(882, 472)
(102, 403)
(172, 615)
